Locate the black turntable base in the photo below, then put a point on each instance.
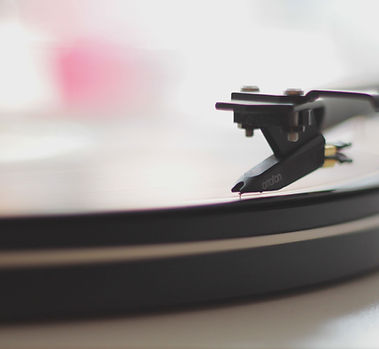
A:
(84, 233)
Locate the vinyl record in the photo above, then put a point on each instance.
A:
(89, 229)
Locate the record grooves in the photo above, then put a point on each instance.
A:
(208, 222)
(106, 286)
(91, 245)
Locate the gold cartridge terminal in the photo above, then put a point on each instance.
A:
(333, 155)
(330, 150)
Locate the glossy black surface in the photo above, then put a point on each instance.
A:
(224, 221)
(124, 287)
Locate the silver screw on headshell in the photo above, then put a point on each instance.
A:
(308, 117)
(249, 89)
(293, 136)
(294, 92)
(249, 132)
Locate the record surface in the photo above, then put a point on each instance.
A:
(63, 166)
(90, 229)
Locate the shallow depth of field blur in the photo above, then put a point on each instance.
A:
(101, 56)
(78, 75)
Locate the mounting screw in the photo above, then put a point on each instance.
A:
(293, 136)
(249, 89)
(294, 92)
(308, 117)
(249, 132)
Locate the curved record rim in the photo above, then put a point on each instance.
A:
(245, 218)
(121, 262)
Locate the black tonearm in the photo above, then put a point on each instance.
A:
(291, 124)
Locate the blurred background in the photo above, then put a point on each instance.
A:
(91, 54)
(107, 104)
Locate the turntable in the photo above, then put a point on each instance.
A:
(122, 227)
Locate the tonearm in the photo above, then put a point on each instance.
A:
(291, 124)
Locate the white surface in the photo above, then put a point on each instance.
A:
(342, 315)
(53, 166)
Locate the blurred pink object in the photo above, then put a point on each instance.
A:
(96, 74)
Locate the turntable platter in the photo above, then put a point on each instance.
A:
(99, 213)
